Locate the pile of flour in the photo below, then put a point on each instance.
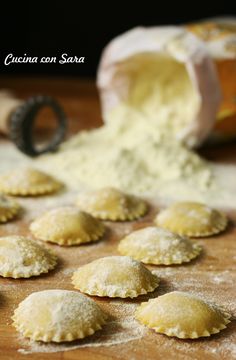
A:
(132, 155)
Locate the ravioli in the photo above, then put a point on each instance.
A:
(28, 182)
(153, 245)
(67, 226)
(192, 219)
(58, 315)
(21, 257)
(112, 204)
(182, 315)
(9, 208)
(115, 276)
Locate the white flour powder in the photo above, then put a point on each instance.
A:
(129, 153)
(130, 156)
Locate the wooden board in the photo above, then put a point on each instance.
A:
(212, 275)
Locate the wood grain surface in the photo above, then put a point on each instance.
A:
(212, 275)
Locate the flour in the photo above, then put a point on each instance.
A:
(137, 149)
(162, 171)
(131, 155)
(159, 90)
(127, 154)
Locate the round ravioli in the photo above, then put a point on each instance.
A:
(114, 276)
(28, 182)
(67, 226)
(112, 204)
(21, 257)
(182, 315)
(58, 315)
(153, 245)
(9, 209)
(192, 219)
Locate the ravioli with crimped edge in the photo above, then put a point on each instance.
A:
(67, 226)
(115, 276)
(182, 315)
(21, 257)
(157, 246)
(112, 204)
(9, 209)
(192, 219)
(28, 182)
(58, 316)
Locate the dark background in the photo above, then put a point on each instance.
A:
(50, 28)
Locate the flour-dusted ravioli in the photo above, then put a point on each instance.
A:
(112, 204)
(182, 315)
(153, 245)
(28, 182)
(67, 226)
(192, 219)
(114, 276)
(21, 257)
(58, 315)
(9, 209)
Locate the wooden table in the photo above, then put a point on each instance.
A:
(212, 275)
